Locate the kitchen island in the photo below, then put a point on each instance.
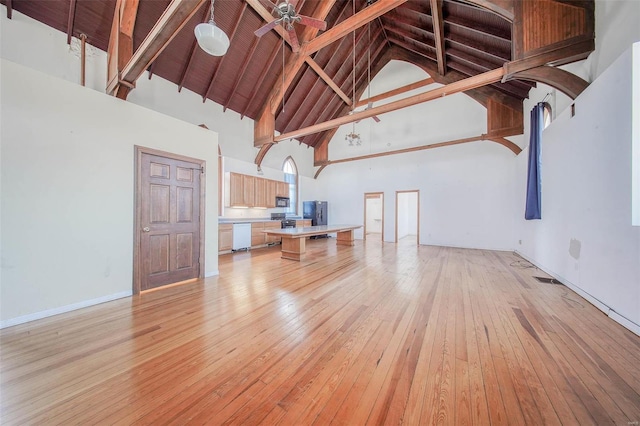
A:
(293, 239)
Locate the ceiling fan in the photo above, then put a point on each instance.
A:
(287, 16)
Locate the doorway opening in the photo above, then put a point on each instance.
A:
(374, 215)
(408, 216)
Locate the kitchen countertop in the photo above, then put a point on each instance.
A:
(252, 219)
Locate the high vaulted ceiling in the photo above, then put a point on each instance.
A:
(450, 39)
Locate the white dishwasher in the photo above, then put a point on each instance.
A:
(241, 236)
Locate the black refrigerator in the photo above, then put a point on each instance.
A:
(317, 212)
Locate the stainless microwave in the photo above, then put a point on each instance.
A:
(282, 202)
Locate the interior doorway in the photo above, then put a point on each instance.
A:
(374, 215)
(169, 219)
(408, 216)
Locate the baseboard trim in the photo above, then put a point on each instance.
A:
(62, 309)
(623, 321)
(212, 273)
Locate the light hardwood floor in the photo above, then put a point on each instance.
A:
(370, 334)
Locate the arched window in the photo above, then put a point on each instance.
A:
(291, 176)
(547, 115)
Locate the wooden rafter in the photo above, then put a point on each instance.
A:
(438, 32)
(222, 60)
(358, 20)
(243, 69)
(329, 63)
(175, 16)
(395, 92)
(72, 17)
(295, 61)
(452, 88)
(323, 75)
(340, 108)
(194, 46)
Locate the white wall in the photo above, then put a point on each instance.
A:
(586, 197)
(68, 191)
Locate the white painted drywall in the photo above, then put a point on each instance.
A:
(68, 190)
(585, 236)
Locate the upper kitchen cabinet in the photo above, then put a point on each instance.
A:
(260, 199)
(252, 191)
(282, 189)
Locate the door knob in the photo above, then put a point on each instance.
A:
(146, 229)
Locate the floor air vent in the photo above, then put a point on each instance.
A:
(548, 280)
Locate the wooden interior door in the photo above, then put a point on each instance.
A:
(169, 220)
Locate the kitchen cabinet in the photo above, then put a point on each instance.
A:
(257, 236)
(252, 191)
(249, 190)
(225, 237)
(236, 190)
(282, 189)
(271, 193)
(260, 199)
(303, 223)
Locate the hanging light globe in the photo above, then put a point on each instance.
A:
(211, 38)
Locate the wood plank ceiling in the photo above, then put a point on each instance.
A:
(444, 37)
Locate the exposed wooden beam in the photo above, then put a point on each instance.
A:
(222, 60)
(175, 16)
(9, 5)
(319, 171)
(317, 101)
(358, 20)
(120, 48)
(295, 61)
(343, 58)
(562, 53)
(72, 17)
(484, 137)
(568, 83)
(243, 69)
(194, 46)
(395, 92)
(438, 32)
(503, 36)
(263, 151)
(323, 75)
(456, 87)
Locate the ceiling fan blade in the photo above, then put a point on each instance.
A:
(266, 28)
(312, 22)
(293, 38)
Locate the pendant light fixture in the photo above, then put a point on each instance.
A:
(211, 38)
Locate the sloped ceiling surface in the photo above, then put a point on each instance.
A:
(475, 40)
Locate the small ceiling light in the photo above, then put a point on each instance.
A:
(211, 38)
(353, 137)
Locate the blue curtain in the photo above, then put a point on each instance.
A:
(533, 209)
